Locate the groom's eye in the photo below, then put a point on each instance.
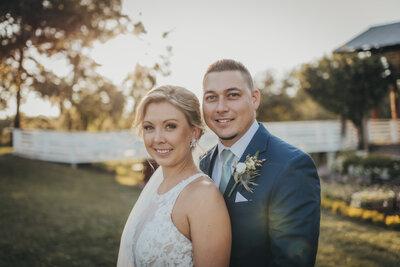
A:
(233, 95)
(210, 98)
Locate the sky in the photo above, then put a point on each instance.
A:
(275, 35)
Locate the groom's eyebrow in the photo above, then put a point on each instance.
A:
(209, 92)
(232, 89)
(226, 90)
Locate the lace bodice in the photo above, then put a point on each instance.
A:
(152, 239)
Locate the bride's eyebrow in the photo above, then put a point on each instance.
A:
(170, 120)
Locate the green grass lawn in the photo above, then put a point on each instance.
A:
(347, 242)
(54, 215)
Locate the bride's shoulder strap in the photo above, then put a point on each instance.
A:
(194, 177)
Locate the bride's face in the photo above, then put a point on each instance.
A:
(167, 134)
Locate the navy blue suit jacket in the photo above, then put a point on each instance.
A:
(279, 224)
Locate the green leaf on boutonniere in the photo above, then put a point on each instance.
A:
(246, 172)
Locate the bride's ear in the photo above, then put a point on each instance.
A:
(196, 132)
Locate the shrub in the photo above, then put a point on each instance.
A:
(375, 167)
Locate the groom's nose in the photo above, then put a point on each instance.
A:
(222, 105)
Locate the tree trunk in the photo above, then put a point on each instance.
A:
(375, 113)
(360, 137)
(343, 132)
(17, 119)
(394, 101)
(362, 134)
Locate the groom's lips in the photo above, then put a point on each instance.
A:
(223, 121)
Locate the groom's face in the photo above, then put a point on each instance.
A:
(229, 106)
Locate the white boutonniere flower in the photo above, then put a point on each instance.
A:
(246, 172)
(241, 167)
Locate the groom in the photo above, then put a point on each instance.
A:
(278, 223)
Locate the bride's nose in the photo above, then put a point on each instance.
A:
(159, 136)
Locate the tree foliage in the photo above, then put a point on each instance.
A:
(348, 85)
(281, 100)
(29, 28)
(276, 104)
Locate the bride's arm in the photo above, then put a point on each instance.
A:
(210, 227)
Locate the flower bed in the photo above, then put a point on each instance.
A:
(365, 187)
(382, 200)
(341, 207)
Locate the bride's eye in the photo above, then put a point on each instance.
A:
(170, 126)
(147, 128)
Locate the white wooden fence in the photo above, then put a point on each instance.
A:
(315, 136)
(384, 131)
(77, 147)
(84, 147)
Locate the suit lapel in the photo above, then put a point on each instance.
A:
(259, 143)
(207, 162)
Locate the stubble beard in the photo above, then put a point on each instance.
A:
(228, 138)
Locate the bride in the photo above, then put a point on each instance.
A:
(180, 218)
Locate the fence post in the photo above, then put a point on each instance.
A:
(394, 131)
(330, 159)
(16, 140)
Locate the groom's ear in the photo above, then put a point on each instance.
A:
(256, 96)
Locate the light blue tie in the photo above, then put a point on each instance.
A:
(226, 169)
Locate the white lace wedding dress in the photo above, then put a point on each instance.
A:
(150, 238)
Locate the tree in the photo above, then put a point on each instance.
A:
(48, 27)
(85, 99)
(348, 85)
(276, 104)
(283, 101)
(308, 109)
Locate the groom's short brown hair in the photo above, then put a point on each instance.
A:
(231, 65)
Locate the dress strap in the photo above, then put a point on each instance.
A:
(175, 191)
(178, 189)
(193, 177)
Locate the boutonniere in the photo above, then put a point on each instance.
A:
(246, 172)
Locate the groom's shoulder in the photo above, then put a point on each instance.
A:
(284, 150)
(206, 155)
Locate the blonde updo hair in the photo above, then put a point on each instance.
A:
(180, 97)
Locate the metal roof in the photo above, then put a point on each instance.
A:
(376, 37)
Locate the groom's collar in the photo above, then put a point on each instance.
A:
(259, 143)
(240, 146)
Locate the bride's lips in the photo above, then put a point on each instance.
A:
(162, 152)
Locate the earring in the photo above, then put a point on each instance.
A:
(193, 143)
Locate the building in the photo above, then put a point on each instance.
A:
(383, 40)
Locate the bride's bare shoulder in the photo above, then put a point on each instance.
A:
(203, 187)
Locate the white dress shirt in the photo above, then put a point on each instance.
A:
(237, 149)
